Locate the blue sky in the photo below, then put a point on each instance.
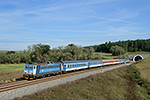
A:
(61, 22)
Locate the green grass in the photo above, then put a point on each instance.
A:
(10, 67)
(3, 51)
(7, 51)
(142, 52)
(104, 55)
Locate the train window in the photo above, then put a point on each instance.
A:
(34, 67)
(49, 67)
(52, 66)
(26, 67)
(57, 66)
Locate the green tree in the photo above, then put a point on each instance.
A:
(117, 50)
(39, 51)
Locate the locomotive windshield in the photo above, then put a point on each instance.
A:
(29, 67)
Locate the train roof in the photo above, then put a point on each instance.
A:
(94, 60)
(74, 61)
(79, 61)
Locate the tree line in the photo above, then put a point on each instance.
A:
(128, 46)
(72, 52)
(44, 52)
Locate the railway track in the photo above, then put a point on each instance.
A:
(25, 83)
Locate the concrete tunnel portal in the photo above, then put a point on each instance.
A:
(137, 57)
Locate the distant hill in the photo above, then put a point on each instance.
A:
(129, 45)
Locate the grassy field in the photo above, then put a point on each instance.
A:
(98, 55)
(144, 67)
(10, 72)
(109, 55)
(142, 52)
(10, 67)
(3, 51)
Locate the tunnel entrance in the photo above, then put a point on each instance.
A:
(137, 57)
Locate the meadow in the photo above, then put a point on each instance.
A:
(11, 67)
(142, 52)
(10, 72)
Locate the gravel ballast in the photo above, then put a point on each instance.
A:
(37, 87)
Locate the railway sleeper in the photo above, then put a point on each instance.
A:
(42, 75)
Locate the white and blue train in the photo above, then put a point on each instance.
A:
(42, 69)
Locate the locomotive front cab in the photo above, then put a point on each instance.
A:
(29, 71)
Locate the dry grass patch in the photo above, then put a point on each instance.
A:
(10, 76)
(144, 68)
(10, 72)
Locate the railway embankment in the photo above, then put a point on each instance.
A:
(125, 83)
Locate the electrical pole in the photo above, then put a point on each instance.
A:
(75, 55)
(101, 55)
(125, 58)
(101, 61)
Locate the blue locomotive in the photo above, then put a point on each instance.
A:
(32, 71)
